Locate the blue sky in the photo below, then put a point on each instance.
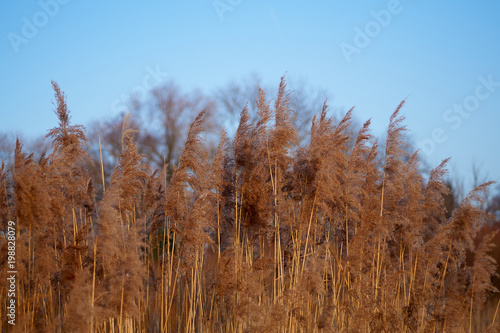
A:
(444, 57)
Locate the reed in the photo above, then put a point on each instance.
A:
(267, 235)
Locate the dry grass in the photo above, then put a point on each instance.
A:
(267, 236)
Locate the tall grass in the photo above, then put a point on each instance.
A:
(266, 236)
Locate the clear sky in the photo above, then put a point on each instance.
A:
(444, 57)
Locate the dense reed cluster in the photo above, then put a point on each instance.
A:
(267, 235)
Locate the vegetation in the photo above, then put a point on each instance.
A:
(268, 234)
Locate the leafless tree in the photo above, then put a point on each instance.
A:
(165, 119)
(305, 102)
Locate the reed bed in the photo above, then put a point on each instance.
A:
(266, 236)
